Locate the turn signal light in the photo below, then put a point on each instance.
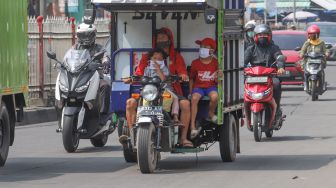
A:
(166, 95)
(135, 95)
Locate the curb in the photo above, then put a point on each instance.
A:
(38, 115)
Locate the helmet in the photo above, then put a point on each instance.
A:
(313, 29)
(250, 25)
(265, 30)
(86, 34)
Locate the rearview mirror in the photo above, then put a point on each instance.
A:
(281, 58)
(89, 16)
(297, 48)
(328, 46)
(51, 55)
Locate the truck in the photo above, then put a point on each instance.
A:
(13, 70)
(134, 23)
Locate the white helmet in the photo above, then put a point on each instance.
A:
(250, 25)
(86, 34)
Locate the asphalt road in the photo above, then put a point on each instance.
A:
(301, 154)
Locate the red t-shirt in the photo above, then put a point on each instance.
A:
(204, 75)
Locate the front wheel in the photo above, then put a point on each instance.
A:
(228, 139)
(69, 133)
(256, 121)
(99, 141)
(146, 152)
(4, 134)
(313, 90)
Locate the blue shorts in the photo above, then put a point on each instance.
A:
(204, 91)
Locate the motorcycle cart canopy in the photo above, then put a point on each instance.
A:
(168, 5)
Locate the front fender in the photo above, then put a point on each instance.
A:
(257, 107)
(313, 77)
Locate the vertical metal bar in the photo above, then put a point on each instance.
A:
(72, 20)
(220, 54)
(41, 66)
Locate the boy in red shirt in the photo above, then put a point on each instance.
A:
(203, 81)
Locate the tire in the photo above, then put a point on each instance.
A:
(4, 134)
(69, 134)
(269, 133)
(228, 139)
(100, 141)
(313, 91)
(129, 155)
(257, 132)
(147, 155)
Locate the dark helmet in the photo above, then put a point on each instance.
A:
(263, 29)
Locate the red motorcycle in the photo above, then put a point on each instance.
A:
(260, 106)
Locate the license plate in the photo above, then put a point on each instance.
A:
(149, 110)
(261, 79)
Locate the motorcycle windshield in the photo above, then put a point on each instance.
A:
(74, 60)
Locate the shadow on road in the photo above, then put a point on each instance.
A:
(327, 100)
(92, 149)
(246, 162)
(295, 138)
(292, 88)
(29, 169)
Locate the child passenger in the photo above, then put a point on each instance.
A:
(203, 81)
(157, 67)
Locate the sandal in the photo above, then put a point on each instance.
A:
(187, 144)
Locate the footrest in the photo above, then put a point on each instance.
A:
(187, 150)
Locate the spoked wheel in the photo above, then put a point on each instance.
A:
(4, 134)
(69, 133)
(313, 91)
(147, 154)
(99, 141)
(256, 120)
(228, 139)
(129, 155)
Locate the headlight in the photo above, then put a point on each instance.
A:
(259, 96)
(63, 88)
(82, 88)
(149, 92)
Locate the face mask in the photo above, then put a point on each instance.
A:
(263, 41)
(204, 52)
(162, 45)
(250, 34)
(161, 63)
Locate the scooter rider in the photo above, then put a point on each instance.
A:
(264, 53)
(313, 44)
(86, 36)
(249, 33)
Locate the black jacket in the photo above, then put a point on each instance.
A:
(262, 56)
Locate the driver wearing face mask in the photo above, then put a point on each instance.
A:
(264, 53)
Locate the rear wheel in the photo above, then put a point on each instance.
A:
(4, 134)
(269, 133)
(256, 121)
(69, 133)
(228, 139)
(99, 141)
(147, 154)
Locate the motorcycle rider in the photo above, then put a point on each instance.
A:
(86, 36)
(249, 33)
(264, 53)
(314, 44)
